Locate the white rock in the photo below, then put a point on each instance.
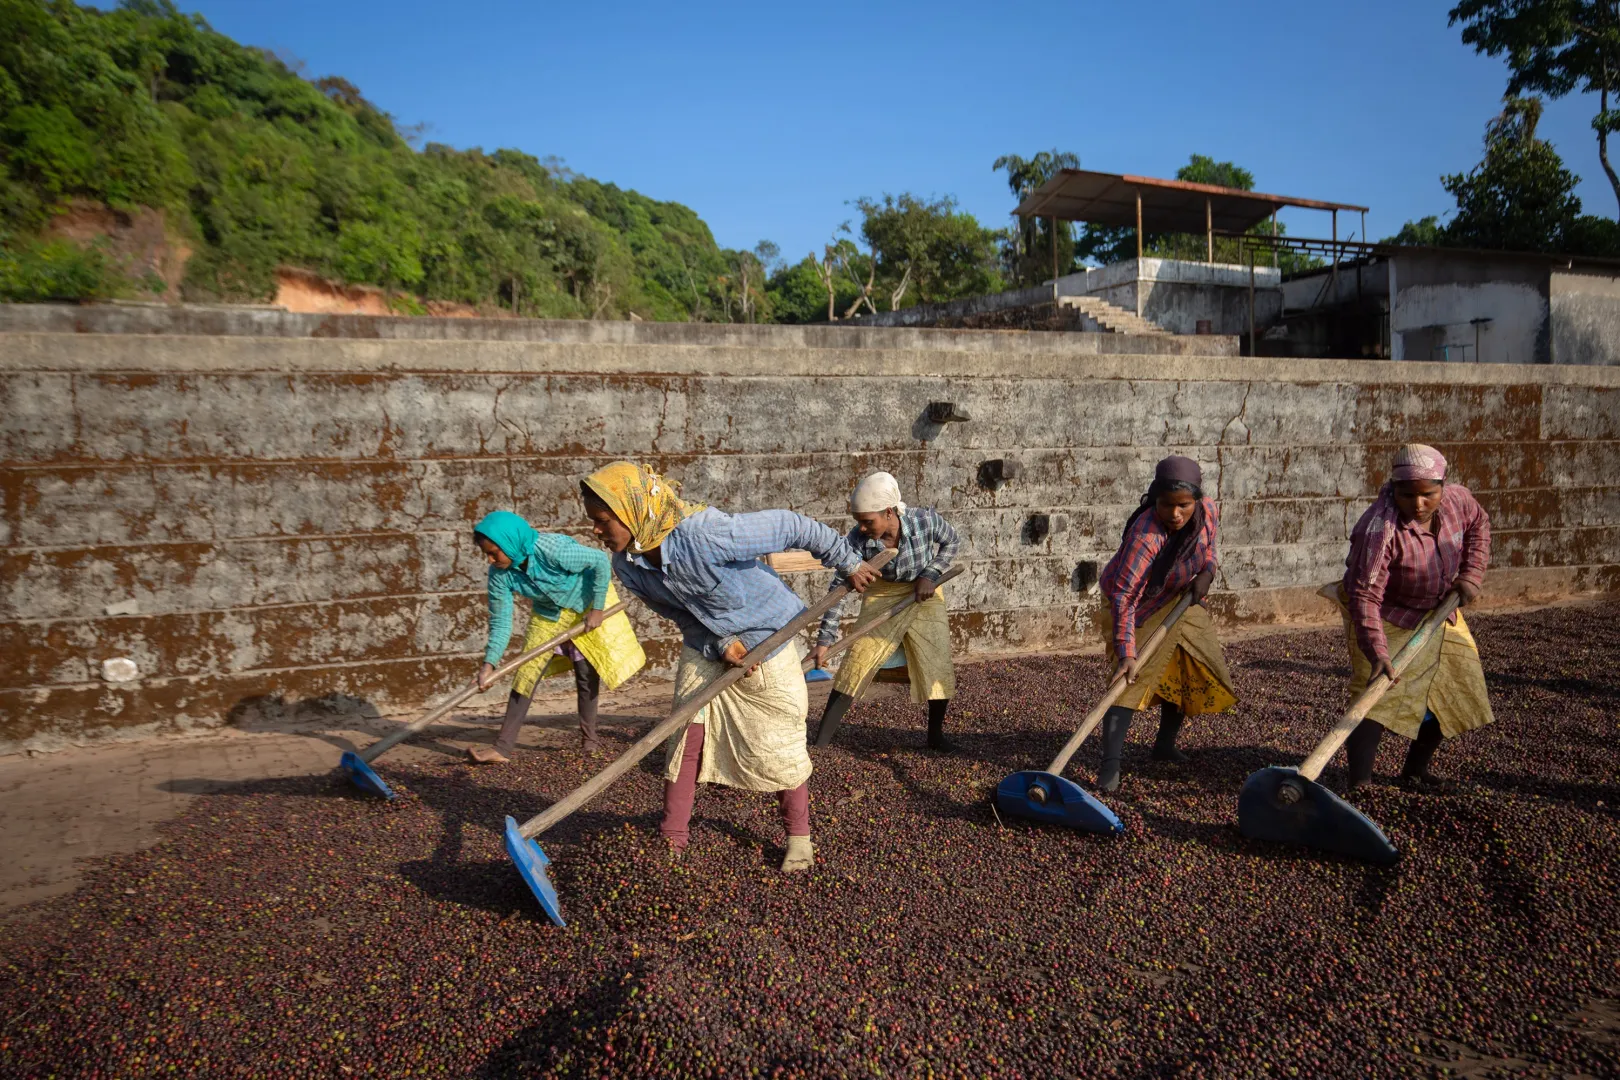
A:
(125, 607)
(119, 669)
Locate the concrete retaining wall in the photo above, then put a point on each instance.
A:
(280, 516)
(1585, 317)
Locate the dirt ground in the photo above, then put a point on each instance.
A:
(240, 911)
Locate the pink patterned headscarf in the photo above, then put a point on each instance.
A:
(1414, 461)
(1376, 529)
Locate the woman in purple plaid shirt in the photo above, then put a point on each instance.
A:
(1168, 547)
(1422, 539)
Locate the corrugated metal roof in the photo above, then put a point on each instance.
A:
(1168, 206)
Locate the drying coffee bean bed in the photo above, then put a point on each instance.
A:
(297, 928)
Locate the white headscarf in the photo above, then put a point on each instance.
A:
(875, 494)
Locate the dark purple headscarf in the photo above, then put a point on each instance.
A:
(1176, 469)
(1172, 471)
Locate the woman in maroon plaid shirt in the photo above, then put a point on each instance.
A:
(1168, 546)
(1422, 539)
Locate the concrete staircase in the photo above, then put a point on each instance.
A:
(1111, 318)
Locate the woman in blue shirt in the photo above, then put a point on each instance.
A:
(700, 568)
(565, 583)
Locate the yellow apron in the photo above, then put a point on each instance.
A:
(753, 733)
(1445, 678)
(924, 630)
(1188, 670)
(611, 648)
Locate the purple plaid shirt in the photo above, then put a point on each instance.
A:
(1125, 578)
(1418, 566)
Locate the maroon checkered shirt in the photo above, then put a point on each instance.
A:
(1420, 564)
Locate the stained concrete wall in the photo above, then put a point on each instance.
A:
(1585, 315)
(1176, 294)
(282, 516)
(1472, 309)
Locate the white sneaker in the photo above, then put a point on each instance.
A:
(801, 855)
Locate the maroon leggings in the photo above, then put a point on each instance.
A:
(679, 794)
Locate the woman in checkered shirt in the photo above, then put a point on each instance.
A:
(1168, 547)
(1422, 539)
(565, 583)
(926, 545)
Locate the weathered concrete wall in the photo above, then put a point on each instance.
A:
(289, 516)
(1472, 309)
(1174, 293)
(1585, 314)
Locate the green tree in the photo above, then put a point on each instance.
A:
(1520, 197)
(1553, 47)
(1027, 253)
(257, 167)
(1424, 232)
(927, 251)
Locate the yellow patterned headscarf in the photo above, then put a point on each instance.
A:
(648, 505)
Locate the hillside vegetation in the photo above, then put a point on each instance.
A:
(255, 167)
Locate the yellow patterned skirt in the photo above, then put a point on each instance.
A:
(1445, 678)
(611, 648)
(923, 630)
(1188, 670)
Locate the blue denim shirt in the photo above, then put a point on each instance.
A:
(712, 584)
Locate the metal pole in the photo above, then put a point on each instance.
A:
(1209, 232)
(1053, 222)
(1273, 236)
(1139, 252)
(1333, 275)
(1139, 228)
(1252, 351)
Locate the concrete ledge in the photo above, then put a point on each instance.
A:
(273, 323)
(183, 353)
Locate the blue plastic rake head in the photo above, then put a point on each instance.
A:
(365, 778)
(531, 862)
(1279, 805)
(1050, 799)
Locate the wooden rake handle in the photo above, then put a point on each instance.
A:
(1313, 765)
(1117, 688)
(383, 745)
(683, 715)
(876, 621)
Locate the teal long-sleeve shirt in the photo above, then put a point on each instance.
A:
(559, 573)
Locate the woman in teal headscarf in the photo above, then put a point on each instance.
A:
(565, 582)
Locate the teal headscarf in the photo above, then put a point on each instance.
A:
(510, 533)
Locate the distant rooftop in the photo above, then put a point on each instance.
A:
(1167, 206)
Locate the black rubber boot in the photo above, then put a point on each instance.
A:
(1116, 725)
(1170, 720)
(1415, 773)
(837, 705)
(1361, 748)
(587, 692)
(936, 725)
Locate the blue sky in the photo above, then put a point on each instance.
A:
(768, 119)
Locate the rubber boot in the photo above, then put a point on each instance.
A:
(838, 704)
(1170, 720)
(587, 694)
(801, 855)
(588, 739)
(1361, 748)
(936, 725)
(1415, 772)
(1116, 724)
